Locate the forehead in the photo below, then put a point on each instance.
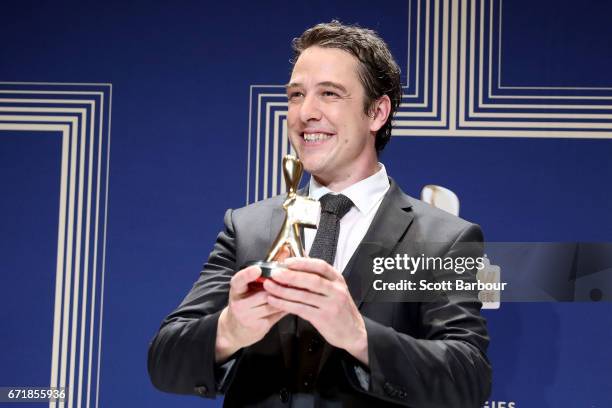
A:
(320, 64)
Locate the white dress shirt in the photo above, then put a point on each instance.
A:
(366, 196)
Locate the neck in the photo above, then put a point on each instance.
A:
(345, 179)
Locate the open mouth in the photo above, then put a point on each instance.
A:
(315, 138)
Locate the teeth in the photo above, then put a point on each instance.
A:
(314, 137)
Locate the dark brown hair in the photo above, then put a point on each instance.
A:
(378, 71)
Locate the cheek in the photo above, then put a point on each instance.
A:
(355, 136)
(293, 114)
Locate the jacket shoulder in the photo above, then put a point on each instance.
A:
(439, 225)
(275, 201)
(269, 204)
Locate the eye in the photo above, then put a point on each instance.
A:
(294, 95)
(330, 93)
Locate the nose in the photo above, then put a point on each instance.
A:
(310, 109)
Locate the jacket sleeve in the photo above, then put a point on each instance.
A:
(446, 366)
(181, 356)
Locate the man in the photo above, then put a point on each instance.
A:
(310, 337)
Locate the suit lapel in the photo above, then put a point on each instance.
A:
(388, 227)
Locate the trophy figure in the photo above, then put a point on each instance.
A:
(299, 212)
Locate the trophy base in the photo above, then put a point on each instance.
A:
(267, 269)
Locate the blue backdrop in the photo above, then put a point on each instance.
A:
(176, 107)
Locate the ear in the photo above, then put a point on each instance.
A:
(380, 113)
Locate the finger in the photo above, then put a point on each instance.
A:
(239, 283)
(264, 311)
(274, 318)
(306, 312)
(242, 308)
(303, 280)
(294, 295)
(253, 300)
(313, 265)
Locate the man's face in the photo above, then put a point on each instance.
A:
(328, 127)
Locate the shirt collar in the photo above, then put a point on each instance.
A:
(364, 194)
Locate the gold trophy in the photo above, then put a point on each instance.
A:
(299, 212)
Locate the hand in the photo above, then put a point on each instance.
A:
(313, 290)
(247, 317)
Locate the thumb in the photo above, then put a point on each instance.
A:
(240, 281)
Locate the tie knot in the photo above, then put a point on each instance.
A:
(337, 204)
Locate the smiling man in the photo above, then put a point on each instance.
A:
(311, 337)
(331, 122)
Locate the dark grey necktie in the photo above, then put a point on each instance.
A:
(333, 208)
(309, 344)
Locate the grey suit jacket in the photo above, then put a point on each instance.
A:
(429, 353)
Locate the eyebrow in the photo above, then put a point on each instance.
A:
(324, 83)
